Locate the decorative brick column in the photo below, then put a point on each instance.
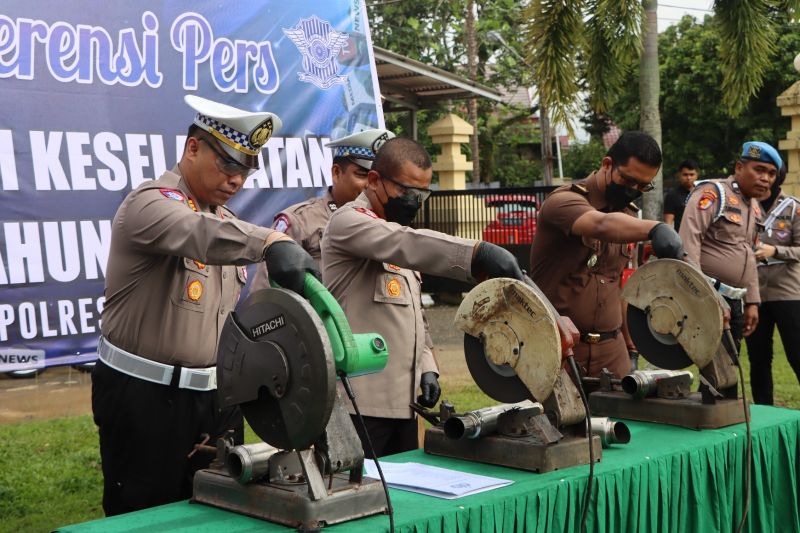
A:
(450, 132)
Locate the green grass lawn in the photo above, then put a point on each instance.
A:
(50, 470)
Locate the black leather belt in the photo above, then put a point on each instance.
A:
(594, 338)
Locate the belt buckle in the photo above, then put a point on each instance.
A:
(592, 338)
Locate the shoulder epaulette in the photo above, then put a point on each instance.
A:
(580, 189)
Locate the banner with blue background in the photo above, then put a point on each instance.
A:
(91, 105)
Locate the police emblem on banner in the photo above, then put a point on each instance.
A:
(320, 44)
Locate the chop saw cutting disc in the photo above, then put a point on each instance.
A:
(512, 344)
(674, 314)
(288, 331)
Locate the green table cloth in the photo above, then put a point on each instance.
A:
(667, 479)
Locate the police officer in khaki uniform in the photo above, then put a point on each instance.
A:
(719, 231)
(304, 222)
(778, 257)
(175, 270)
(584, 239)
(371, 261)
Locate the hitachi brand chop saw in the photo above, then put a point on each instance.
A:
(513, 343)
(278, 359)
(675, 318)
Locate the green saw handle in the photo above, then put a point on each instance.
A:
(353, 354)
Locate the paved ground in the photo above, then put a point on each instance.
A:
(64, 391)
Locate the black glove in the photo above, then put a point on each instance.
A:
(287, 264)
(666, 242)
(492, 261)
(430, 389)
(634, 355)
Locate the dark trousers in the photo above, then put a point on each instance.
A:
(388, 435)
(147, 432)
(785, 315)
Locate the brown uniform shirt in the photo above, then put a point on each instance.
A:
(579, 275)
(779, 279)
(303, 222)
(369, 265)
(723, 248)
(171, 278)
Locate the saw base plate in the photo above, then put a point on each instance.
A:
(687, 412)
(290, 504)
(523, 453)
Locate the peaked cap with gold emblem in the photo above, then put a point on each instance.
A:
(240, 133)
(362, 147)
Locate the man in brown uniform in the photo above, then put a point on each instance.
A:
(719, 231)
(175, 270)
(584, 239)
(778, 257)
(370, 263)
(304, 222)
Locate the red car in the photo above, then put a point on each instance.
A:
(515, 222)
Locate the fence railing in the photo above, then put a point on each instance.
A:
(505, 216)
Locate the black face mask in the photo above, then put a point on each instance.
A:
(401, 209)
(618, 196)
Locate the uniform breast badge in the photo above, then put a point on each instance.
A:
(194, 291)
(393, 288)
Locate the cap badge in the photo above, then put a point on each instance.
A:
(379, 141)
(261, 133)
(754, 151)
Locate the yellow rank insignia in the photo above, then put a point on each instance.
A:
(201, 266)
(192, 205)
(781, 224)
(733, 200)
(736, 218)
(393, 267)
(393, 288)
(194, 291)
(261, 133)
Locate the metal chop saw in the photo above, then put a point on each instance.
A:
(514, 341)
(278, 359)
(675, 318)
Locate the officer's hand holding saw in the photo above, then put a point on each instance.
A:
(491, 261)
(288, 263)
(666, 242)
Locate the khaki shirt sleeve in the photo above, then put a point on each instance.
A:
(791, 253)
(159, 225)
(361, 234)
(696, 221)
(427, 361)
(753, 295)
(563, 209)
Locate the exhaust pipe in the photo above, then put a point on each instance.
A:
(249, 462)
(610, 432)
(643, 383)
(481, 422)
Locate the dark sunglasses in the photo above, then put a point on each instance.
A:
(418, 193)
(225, 164)
(633, 184)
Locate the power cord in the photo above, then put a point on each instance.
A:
(588, 494)
(749, 453)
(350, 394)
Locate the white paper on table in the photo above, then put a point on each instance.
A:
(433, 480)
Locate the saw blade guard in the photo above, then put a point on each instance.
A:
(674, 314)
(513, 337)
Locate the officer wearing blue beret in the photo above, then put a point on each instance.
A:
(719, 231)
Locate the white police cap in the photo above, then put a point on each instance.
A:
(362, 147)
(241, 133)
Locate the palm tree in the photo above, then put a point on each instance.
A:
(599, 40)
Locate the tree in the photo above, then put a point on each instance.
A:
(436, 32)
(695, 122)
(607, 35)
